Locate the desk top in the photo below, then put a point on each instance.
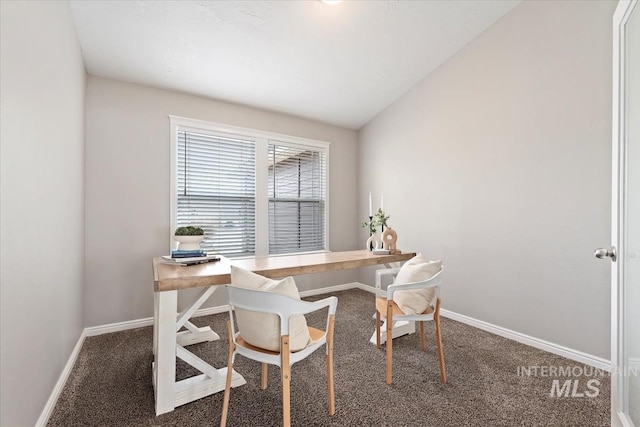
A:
(168, 277)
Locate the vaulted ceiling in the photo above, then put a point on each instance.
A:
(340, 64)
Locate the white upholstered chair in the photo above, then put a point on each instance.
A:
(387, 308)
(284, 307)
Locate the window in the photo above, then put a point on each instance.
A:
(296, 199)
(253, 192)
(216, 190)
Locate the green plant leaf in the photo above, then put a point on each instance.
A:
(189, 231)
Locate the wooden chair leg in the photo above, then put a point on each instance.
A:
(436, 318)
(389, 340)
(263, 376)
(286, 381)
(227, 388)
(423, 343)
(330, 389)
(377, 329)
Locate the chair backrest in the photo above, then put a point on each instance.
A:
(416, 297)
(433, 282)
(281, 305)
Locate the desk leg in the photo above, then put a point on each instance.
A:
(403, 327)
(164, 367)
(168, 345)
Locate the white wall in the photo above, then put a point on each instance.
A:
(127, 197)
(42, 208)
(499, 163)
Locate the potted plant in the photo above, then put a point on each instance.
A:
(188, 237)
(379, 219)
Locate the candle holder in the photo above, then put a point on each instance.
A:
(372, 241)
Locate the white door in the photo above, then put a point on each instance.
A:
(625, 234)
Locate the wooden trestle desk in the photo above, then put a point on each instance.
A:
(168, 343)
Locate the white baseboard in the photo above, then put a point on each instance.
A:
(93, 331)
(62, 380)
(329, 289)
(569, 353)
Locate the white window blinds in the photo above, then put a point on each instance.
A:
(216, 190)
(296, 199)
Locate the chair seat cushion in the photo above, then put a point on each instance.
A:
(381, 306)
(417, 269)
(314, 333)
(263, 329)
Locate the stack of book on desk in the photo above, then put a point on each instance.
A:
(177, 253)
(179, 257)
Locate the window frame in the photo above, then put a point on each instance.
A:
(262, 140)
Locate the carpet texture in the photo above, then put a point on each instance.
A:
(110, 384)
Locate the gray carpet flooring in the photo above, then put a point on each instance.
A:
(110, 384)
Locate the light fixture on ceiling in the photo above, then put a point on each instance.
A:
(330, 1)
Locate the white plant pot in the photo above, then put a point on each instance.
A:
(188, 243)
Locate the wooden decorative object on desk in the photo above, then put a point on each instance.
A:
(389, 238)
